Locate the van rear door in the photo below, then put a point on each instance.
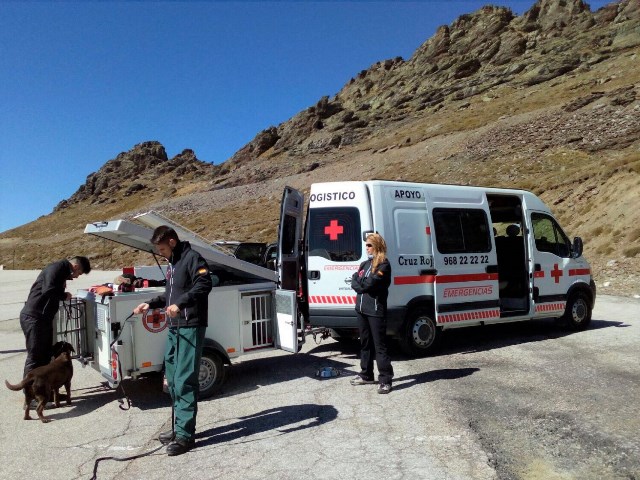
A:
(466, 282)
(289, 238)
(339, 217)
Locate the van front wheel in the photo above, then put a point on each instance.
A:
(577, 315)
(421, 335)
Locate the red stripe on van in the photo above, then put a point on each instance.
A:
(414, 279)
(466, 316)
(469, 277)
(332, 299)
(551, 307)
(579, 271)
(539, 274)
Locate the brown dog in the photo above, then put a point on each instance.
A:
(42, 381)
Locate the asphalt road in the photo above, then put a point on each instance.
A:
(524, 401)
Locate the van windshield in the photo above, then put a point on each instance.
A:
(334, 234)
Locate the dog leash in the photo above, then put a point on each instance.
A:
(113, 350)
(120, 459)
(140, 455)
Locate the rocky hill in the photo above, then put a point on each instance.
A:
(548, 101)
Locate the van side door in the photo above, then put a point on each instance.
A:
(466, 283)
(289, 238)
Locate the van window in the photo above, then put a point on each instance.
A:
(549, 237)
(334, 233)
(250, 252)
(410, 226)
(288, 240)
(460, 230)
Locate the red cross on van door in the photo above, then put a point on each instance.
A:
(333, 230)
(556, 273)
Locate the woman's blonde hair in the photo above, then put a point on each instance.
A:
(379, 249)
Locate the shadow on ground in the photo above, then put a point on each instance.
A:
(279, 421)
(144, 394)
(489, 337)
(408, 381)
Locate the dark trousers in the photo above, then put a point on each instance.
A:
(38, 334)
(373, 343)
(182, 366)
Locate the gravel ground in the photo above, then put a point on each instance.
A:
(524, 401)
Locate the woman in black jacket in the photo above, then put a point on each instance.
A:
(371, 283)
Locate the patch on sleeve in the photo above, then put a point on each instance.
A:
(203, 271)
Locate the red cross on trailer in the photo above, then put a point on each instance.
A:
(333, 230)
(153, 320)
(556, 273)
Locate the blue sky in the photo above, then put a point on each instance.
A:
(81, 82)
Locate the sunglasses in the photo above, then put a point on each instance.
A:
(368, 245)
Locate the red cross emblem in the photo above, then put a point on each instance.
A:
(333, 230)
(155, 321)
(556, 273)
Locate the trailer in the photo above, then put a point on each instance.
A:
(247, 313)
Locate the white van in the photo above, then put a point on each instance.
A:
(460, 256)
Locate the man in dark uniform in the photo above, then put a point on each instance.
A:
(36, 317)
(186, 301)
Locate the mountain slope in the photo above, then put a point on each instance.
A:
(548, 101)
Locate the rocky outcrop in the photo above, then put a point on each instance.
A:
(475, 53)
(551, 17)
(135, 171)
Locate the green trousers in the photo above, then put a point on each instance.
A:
(182, 366)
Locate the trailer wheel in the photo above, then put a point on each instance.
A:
(421, 335)
(212, 373)
(577, 314)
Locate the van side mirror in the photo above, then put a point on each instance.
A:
(577, 247)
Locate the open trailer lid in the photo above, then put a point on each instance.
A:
(138, 237)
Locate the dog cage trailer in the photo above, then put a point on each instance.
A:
(247, 314)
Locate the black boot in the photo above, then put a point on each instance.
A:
(166, 437)
(179, 446)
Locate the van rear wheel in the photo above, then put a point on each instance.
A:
(212, 373)
(421, 335)
(577, 314)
